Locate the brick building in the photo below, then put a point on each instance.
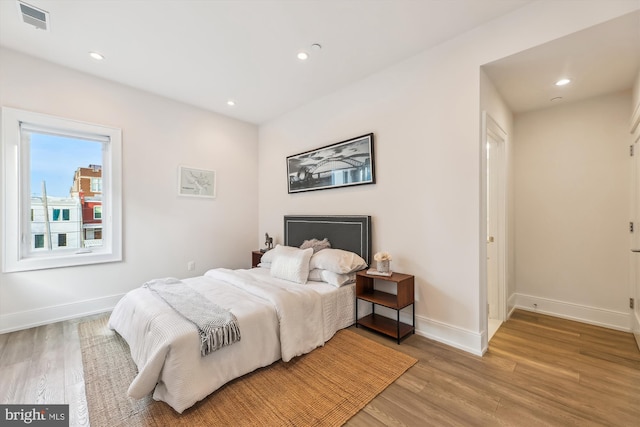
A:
(87, 187)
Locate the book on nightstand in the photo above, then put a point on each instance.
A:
(375, 272)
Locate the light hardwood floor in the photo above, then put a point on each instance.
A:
(539, 370)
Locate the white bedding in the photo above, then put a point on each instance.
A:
(277, 319)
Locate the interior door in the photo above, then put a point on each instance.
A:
(634, 292)
(635, 196)
(492, 230)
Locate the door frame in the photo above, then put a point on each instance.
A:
(634, 270)
(491, 129)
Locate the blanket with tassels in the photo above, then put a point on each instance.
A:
(217, 326)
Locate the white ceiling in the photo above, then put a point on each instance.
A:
(206, 52)
(601, 59)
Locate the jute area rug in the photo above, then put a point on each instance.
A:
(323, 388)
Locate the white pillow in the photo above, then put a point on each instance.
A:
(268, 255)
(291, 264)
(337, 260)
(331, 278)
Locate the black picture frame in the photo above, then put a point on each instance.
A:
(343, 164)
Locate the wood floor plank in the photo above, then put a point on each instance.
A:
(563, 391)
(77, 399)
(401, 407)
(388, 413)
(73, 371)
(532, 414)
(45, 383)
(12, 382)
(18, 347)
(567, 360)
(3, 343)
(459, 388)
(364, 419)
(535, 361)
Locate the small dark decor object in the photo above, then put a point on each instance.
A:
(343, 164)
(268, 242)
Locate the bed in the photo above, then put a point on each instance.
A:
(278, 317)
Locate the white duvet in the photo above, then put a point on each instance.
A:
(277, 319)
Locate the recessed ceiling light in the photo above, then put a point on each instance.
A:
(302, 56)
(96, 56)
(563, 82)
(231, 103)
(316, 46)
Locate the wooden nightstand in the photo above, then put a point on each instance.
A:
(256, 256)
(365, 291)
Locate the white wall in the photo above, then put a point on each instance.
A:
(571, 171)
(426, 205)
(162, 231)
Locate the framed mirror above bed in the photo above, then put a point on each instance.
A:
(348, 232)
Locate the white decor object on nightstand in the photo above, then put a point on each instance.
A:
(382, 261)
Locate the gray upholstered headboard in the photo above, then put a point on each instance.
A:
(348, 232)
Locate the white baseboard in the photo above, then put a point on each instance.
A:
(511, 305)
(636, 325)
(453, 336)
(595, 316)
(43, 316)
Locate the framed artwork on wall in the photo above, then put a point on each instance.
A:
(342, 164)
(196, 182)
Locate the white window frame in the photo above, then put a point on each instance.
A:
(95, 185)
(17, 255)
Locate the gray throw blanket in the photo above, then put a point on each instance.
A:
(217, 326)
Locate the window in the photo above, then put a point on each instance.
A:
(97, 212)
(96, 185)
(39, 197)
(58, 217)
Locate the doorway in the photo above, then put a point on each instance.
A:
(495, 139)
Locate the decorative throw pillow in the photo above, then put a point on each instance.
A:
(291, 264)
(331, 278)
(267, 257)
(337, 260)
(315, 244)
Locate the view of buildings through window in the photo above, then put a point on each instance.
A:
(66, 192)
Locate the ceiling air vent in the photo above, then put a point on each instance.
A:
(33, 16)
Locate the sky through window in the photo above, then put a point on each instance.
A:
(55, 159)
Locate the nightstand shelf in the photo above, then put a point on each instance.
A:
(405, 284)
(386, 326)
